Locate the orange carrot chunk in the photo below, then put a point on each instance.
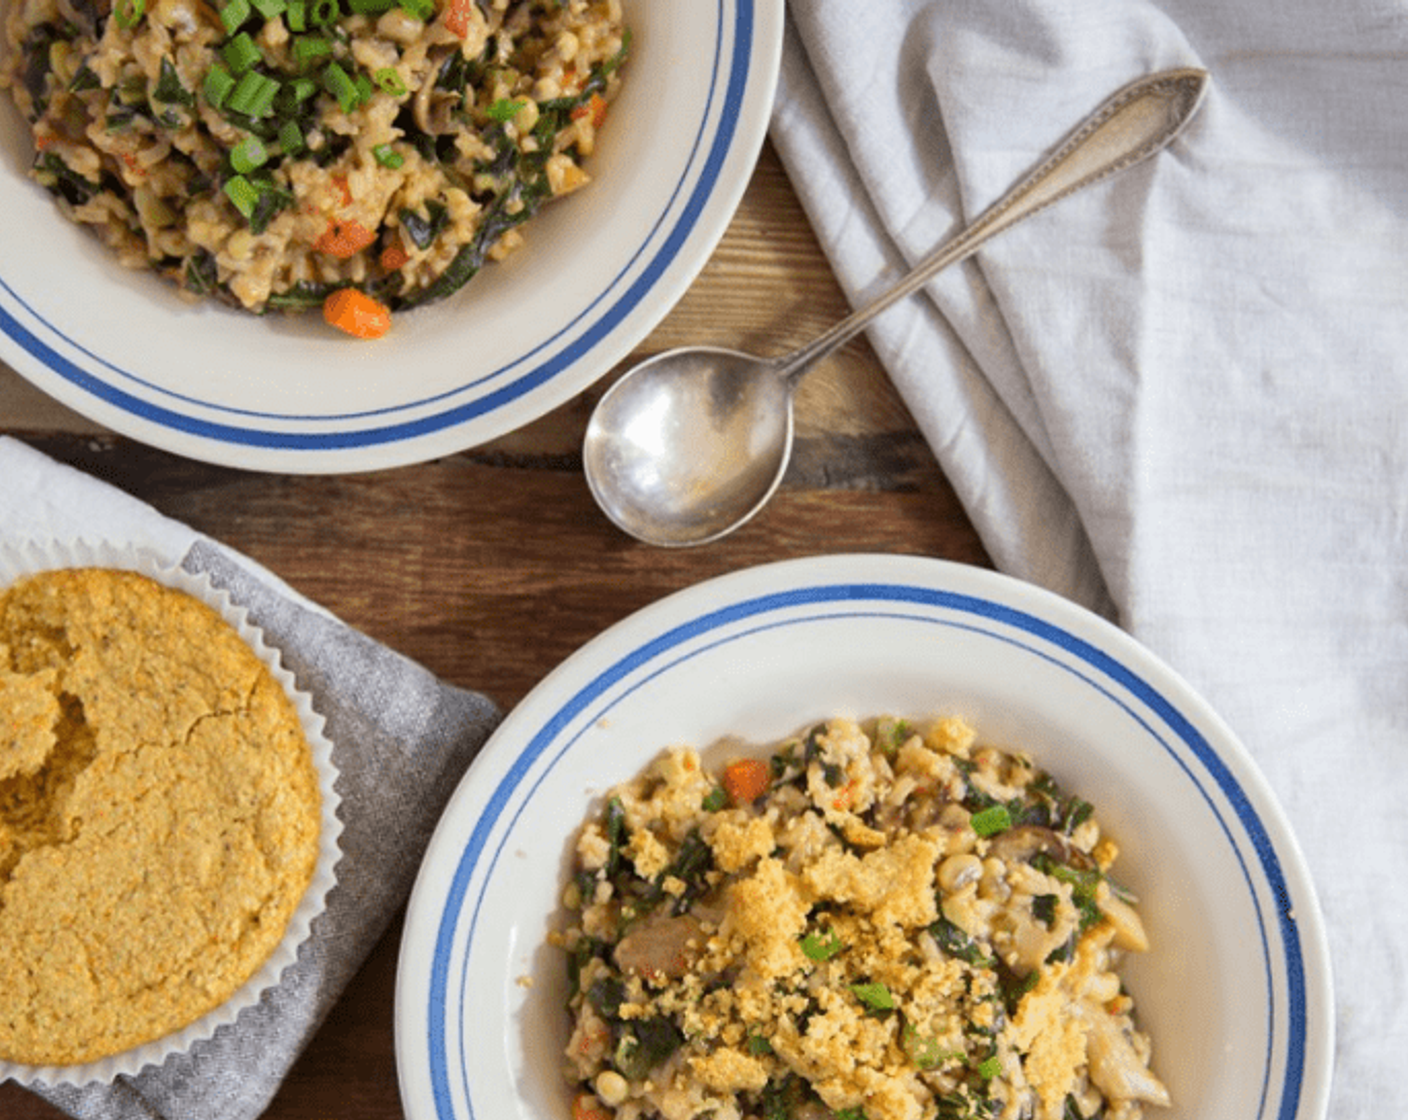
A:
(746, 780)
(595, 108)
(393, 257)
(586, 1107)
(457, 16)
(344, 239)
(357, 313)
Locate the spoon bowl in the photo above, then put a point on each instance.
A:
(692, 443)
(688, 442)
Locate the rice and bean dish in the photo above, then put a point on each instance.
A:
(883, 921)
(362, 156)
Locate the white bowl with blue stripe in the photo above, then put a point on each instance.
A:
(599, 272)
(1235, 991)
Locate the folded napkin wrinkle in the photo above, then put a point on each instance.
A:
(1179, 397)
(402, 739)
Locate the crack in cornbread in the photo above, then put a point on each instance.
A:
(159, 813)
(880, 922)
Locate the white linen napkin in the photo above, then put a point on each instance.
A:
(401, 741)
(1181, 397)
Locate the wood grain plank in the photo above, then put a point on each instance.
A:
(441, 560)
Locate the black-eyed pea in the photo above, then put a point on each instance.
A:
(567, 46)
(611, 1087)
(960, 837)
(526, 117)
(994, 882)
(957, 871)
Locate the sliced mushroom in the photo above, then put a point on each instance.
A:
(915, 812)
(1024, 843)
(1128, 926)
(433, 107)
(1115, 1066)
(661, 947)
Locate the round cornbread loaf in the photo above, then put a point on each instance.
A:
(159, 813)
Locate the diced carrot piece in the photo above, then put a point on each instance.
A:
(344, 239)
(357, 313)
(457, 17)
(747, 780)
(394, 257)
(587, 1107)
(595, 109)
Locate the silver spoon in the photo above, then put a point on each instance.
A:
(691, 443)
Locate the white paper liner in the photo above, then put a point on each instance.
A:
(17, 561)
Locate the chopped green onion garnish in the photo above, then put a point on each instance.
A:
(234, 13)
(989, 1068)
(420, 9)
(822, 946)
(243, 193)
(248, 154)
(240, 53)
(505, 109)
(270, 9)
(991, 821)
(389, 81)
(308, 47)
(128, 13)
(323, 12)
(337, 83)
(296, 16)
(874, 995)
(366, 7)
(254, 95)
(388, 156)
(291, 138)
(296, 91)
(217, 85)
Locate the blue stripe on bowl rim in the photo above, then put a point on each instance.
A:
(1101, 671)
(734, 68)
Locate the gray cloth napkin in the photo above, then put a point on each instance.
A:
(1180, 397)
(401, 738)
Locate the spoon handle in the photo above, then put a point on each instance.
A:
(1135, 123)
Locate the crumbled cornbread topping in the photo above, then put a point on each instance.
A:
(885, 922)
(159, 814)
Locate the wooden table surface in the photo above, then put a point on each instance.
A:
(454, 561)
